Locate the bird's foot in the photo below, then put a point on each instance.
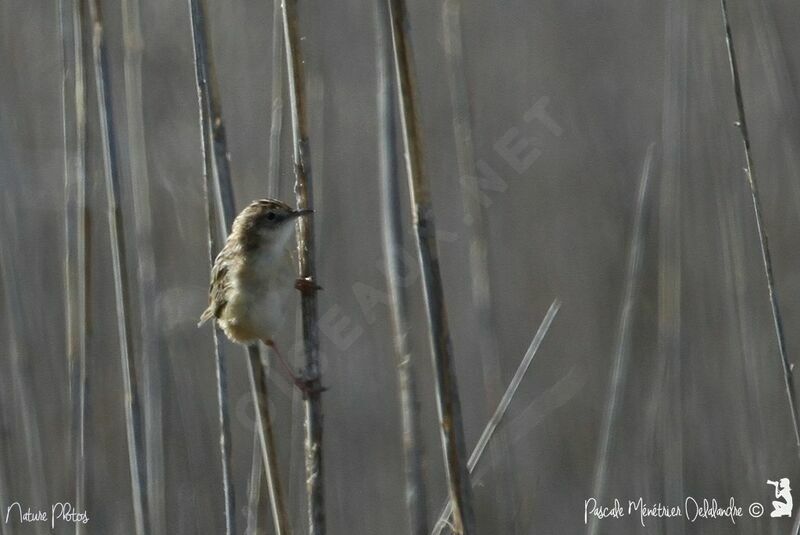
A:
(306, 285)
(308, 386)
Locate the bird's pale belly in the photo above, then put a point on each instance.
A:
(256, 308)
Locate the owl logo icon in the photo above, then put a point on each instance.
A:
(782, 505)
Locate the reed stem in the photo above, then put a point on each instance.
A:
(19, 370)
(416, 493)
(216, 161)
(449, 404)
(133, 413)
(766, 257)
(477, 225)
(619, 369)
(276, 122)
(502, 406)
(304, 193)
(76, 237)
(216, 215)
(254, 485)
(152, 363)
(258, 384)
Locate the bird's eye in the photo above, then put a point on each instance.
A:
(271, 216)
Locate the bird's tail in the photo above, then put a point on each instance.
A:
(207, 315)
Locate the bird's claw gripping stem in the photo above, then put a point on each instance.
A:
(306, 285)
(301, 380)
(308, 386)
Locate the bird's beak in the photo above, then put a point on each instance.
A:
(299, 213)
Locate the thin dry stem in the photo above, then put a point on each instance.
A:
(216, 232)
(254, 485)
(273, 189)
(449, 404)
(21, 357)
(307, 270)
(477, 230)
(416, 494)
(258, 386)
(619, 369)
(133, 415)
(668, 420)
(502, 407)
(215, 152)
(76, 229)
(766, 256)
(146, 265)
(276, 124)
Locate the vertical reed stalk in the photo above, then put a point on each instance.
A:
(669, 384)
(449, 405)
(481, 286)
(220, 161)
(77, 274)
(304, 193)
(133, 415)
(20, 361)
(274, 191)
(215, 160)
(416, 494)
(619, 368)
(146, 266)
(216, 231)
(258, 383)
(269, 453)
(276, 121)
(766, 257)
(502, 406)
(254, 485)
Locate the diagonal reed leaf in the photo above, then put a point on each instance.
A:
(502, 406)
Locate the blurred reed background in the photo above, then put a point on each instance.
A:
(593, 160)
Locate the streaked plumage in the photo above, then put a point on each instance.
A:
(253, 274)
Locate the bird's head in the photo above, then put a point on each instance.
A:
(266, 222)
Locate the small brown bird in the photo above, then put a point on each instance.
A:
(253, 275)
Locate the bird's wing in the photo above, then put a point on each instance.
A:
(218, 291)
